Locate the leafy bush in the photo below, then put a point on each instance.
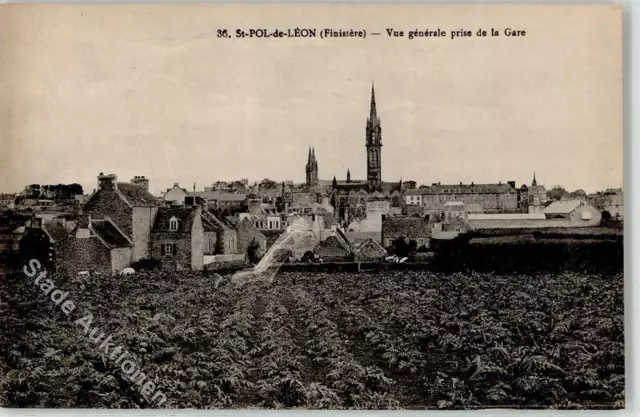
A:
(410, 339)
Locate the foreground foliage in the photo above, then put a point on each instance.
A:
(312, 340)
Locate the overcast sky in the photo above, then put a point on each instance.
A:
(150, 90)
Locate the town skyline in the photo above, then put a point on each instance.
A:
(82, 102)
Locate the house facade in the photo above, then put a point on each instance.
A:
(178, 237)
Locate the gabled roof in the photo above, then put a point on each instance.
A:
(218, 222)
(109, 234)
(55, 230)
(5, 197)
(562, 207)
(358, 246)
(334, 242)
(408, 227)
(136, 196)
(185, 216)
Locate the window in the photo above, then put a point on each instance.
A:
(173, 224)
(168, 249)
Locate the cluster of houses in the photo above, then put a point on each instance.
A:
(122, 223)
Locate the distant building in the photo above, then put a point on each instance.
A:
(614, 203)
(7, 201)
(490, 197)
(411, 229)
(563, 213)
(175, 194)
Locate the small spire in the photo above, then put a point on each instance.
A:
(534, 183)
(348, 175)
(373, 102)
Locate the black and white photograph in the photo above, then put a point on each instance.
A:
(311, 207)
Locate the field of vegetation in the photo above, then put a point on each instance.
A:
(398, 339)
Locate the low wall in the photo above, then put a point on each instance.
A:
(518, 223)
(209, 259)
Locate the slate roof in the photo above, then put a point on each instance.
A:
(55, 230)
(220, 196)
(185, 216)
(137, 196)
(466, 189)
(562, 207)
(109, 234)
(408, 227)
(218, 222)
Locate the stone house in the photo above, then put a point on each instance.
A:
(178, 236)
(368, 250)
(113, 230)
(247, 232)
(411, 229)
(335, 248)
(97, 245)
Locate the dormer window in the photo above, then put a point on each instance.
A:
(173, 224)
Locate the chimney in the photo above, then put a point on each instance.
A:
(471, 183)
(460, 183)
(107, 182)
(255, 206)
(141, 181)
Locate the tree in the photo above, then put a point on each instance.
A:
(557, 192)
(267, 184)
(32, 191)
(253, 252)
(606, 215)
(400, 247)
(579, 194)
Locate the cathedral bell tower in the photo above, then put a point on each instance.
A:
(374, 147)
(312, 168)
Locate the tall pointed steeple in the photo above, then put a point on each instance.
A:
(311, 169)
(374, 146)
(348, 175)
(373, 113)
(534, 182)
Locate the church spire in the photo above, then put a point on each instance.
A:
(373, 144)
(373, 113)
(534, 183)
